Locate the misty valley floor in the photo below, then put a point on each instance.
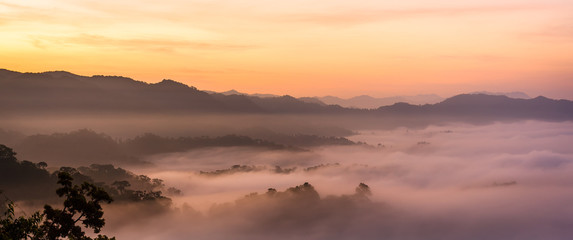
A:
(497, 181)
(501, 180)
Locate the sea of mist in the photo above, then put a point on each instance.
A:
(456, 181)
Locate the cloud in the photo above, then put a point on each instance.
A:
(361, 16)
(17, 13)
(134, 44)
(14, 6)
(556, 32)
(497, 181)
(479, 58)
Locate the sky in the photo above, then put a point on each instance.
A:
(301, 48)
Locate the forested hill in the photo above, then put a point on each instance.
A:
(64, 92)
(67, 92)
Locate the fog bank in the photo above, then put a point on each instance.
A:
(498, 181)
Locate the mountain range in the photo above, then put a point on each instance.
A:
(369, 102)
(64, 92)
(363, 101)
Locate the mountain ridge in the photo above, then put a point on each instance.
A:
(60, 91)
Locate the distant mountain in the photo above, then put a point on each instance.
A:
(361, 102)
(63, 92)
(482, 107)
(508, 94)
(312, 100)
(232, 92)
(66, 92)
(368, 102)
(261, 95)
(235, 92)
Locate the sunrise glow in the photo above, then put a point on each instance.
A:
(302, 48)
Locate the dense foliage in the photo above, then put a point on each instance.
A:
(82, 204)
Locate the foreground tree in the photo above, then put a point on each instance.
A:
(82, 205)
(21, 227)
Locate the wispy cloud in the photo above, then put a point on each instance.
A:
(42, 16)
(557, 31)
(16, 12)
(14, 6)
(359, 16)
(152, 44)
(480, 58)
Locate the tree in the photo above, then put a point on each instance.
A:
(121, 185)
(363, 191)
(77, 207)
(21, 227)
(82, 204)
(42, 165)
(7, 154)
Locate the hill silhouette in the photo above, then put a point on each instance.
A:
(368, 102)
(487, 107)
(64, 92)
(84, 147)
(26, 180)
(508, 94)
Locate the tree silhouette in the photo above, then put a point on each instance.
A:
(121, 185)
(7, 154)
(363, 190)
(42, 165)
(21, 227)
(82, 204)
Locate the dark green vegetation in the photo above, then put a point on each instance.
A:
(83, 190)
(82, 205)
(25, 180)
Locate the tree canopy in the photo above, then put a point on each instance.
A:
(82, 204)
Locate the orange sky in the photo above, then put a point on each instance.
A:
(301, 48)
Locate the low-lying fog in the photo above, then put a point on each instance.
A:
(498, 181)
